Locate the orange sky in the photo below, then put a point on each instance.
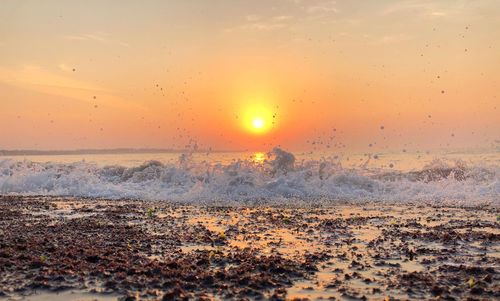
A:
(328, 74)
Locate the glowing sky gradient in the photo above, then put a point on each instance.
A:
(326, 74)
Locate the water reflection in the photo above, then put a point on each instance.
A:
(259, 157)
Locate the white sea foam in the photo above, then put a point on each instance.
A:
(280, 178)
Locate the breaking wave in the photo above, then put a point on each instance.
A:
(279, 178)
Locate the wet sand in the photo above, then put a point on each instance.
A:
(86, 249)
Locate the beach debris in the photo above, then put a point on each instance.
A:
(471, 282)
(245, 252)
(151, 212)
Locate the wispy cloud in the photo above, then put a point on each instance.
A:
(255, 22)
(322, 7)
(42, 80)
(282, 18)
(317, 6)
(252, 18)
(394, 38)
(424, 8)
(65, 67)
(300, 10)
(36, 76)
(95, 37)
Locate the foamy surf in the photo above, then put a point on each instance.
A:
(279, 178)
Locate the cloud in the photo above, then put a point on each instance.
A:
(252, 18)
(39, 79)
(36, 76)
(395, 38)
(423, 8)
(65, 67)
(438, 14)
(301, 10)
(441, 9)
(282, 18)
(258, 23)
(95, 37)
(323, 7)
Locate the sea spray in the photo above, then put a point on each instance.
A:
(279, 178)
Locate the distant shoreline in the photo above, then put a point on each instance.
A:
(115, 151)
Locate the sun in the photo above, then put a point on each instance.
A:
(257, 119)
(258, 123)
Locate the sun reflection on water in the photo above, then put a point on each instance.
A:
(258, 158)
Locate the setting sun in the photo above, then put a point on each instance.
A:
(258, 123)
(257, 119)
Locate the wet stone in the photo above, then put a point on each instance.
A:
(135, 250)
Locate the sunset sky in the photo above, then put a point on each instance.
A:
(232, 74)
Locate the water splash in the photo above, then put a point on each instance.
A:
(277, 178)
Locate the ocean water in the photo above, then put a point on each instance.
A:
(277, 176)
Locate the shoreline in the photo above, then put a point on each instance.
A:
(130, 250)
(273, 202)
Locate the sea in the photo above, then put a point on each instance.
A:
(270, 177)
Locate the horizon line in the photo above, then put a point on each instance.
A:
(97, 151)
